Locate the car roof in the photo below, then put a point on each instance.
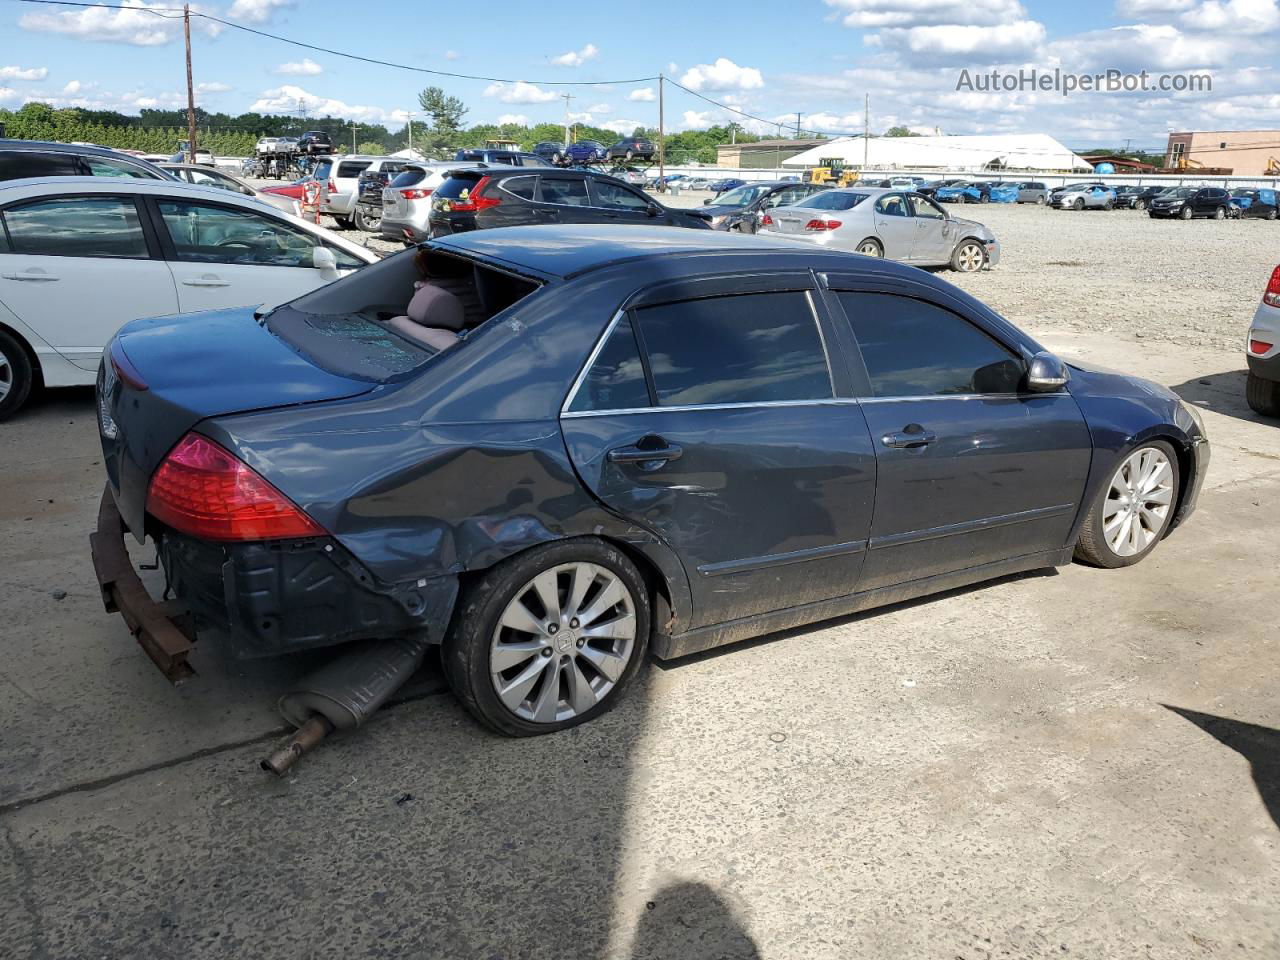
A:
(571, 250)
(67, 185)
(50, 146)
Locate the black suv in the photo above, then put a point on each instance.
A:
(549, 151)
(315, 142)
(631, 148)
(1137, 198)
(494, 197)
(510, 158)
(20, 159)
(1187, 202)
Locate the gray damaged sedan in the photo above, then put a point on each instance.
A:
(897, 225)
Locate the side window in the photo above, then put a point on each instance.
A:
(915, 349)
(616, 197)
(352, 168)
(616, 378)
(924, 207)
(209, 179)
(77, 227)
(746, 349)
(102, 167)
(564, 190)
(784, 198)
(894, 205)
(522, 187)
(209, 234)
(20, 164)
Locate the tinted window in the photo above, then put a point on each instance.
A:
(102, 167)
(454, 187)
(616, 379)
(612, 195)
(832, 200)
(352, 168)
(747, 349)
(77, 227)
(893, 205)
(924, 207)
(408, 178)
(522, 187)
(207, 178)
(204, 233)
(565, 191)
(915, 349)
(18, 164)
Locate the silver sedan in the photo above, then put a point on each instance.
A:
(896, 224)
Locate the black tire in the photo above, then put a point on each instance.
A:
(1041, 201)
(16, 373)
(1185, 213)
(366, 223)
(1092, 547)
(1109, 205)
(1272, 213)
(1263, 396)
(628, 155)
(1220, 213)
(873, 247)
(957, 259)
(1078, 205)
(1139, 204)
(344, 223)
(985, 198)
(465, 654)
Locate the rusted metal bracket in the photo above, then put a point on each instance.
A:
(163, 630)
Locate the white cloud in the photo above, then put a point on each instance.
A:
(1142, 46)
(1142, 8)
(73, 86)
(256, 11)
(519, 92)
(997, 44)
(873, 14)
(643, 95)
(576, 58)
(306, 67)
(600, 108)
(517, 118)
(285, 99)
(827, 122)
(693, 119)
(451, 54)
(621, 127)
(724, 74)
(23, 73)
(7, 94)
(130, 23)
(582, 117)
(1234, 15)
(213, 86)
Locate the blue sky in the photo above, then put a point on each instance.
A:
(815, 56)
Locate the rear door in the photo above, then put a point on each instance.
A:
(567, 198)
(716, 421)
(76, 268)
(971, 470)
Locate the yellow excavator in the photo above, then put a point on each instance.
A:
(831, 170)
(1273, 167)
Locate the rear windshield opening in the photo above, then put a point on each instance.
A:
(454, 185)
(363, 326)
(412, 176)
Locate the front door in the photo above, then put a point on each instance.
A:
(565, 199)
(618, 204)
(895, 226)
(934, 238)
(76, 269)
(726, 438)
(971, 469)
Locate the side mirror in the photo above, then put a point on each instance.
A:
(706, 202)
(1046, 374)
(322, 259)
(653, 210)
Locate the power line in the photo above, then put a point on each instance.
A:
(163, 11)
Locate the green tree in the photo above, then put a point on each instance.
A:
(446, 112)
(900, 132)
(372, 148)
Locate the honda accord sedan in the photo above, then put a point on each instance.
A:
(557, 451)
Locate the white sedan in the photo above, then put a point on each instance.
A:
(81, 256)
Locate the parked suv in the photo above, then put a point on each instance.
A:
(406, 200)
(21, 159)
(494, 197)
(1262, 353)
(369, 186)
(315, 141)
(509, 158)
(1092, 196)
(549, 151)
(1033, 191)
(1187, 202)
(586, 151)
(1254, 203)
(629, 148)
(1057, 192)
(1137, 198)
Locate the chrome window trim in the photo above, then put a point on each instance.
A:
(684, 408)
(586, 367)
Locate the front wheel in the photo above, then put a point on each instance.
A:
(1263, 396)
(1186, 213)
(1078, 205)
(549, 638)
(1134, 510)
(1109, 205)
(1139, 204)
(969, 257)
(1272, 213)
(16, 375)
(343, 223)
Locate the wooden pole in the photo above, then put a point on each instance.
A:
(662, 141)
(191, 97)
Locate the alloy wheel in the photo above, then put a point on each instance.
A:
(562, 642)
(6, 376)
(969, 257)
(1138, 502)
(869, 248)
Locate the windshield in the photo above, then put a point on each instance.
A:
(1240, 192)
(741, 196)
(1180, 193)
(832, 200)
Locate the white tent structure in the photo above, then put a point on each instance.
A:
(1032, 151)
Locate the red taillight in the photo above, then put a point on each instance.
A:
(475, 199)
(822, 224)
(767, 221)
(414, 193)
(124, 367)
(203, 490)
(332, 187)
(1259, 347)
(1271, 296)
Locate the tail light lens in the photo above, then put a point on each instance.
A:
(820, 225)
(333, 188)
(414, 193)
(767, 221)
(1271, 296)
(476, 199)
(203, 490)
(1259, 347)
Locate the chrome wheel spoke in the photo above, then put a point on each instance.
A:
(514, 693)
(518, 618)
(1138, 502)
(605, 600)
(581, 697)
(547, 705)
(508, 655)
(546, 586)
(609, 664)
(1160, 495)
(584, 574)
(620, 627)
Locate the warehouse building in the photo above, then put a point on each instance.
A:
(1034, 152)
(762, 153)
(1243, 153)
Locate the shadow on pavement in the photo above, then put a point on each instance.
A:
(1259, 745)
(1222, 393)
(690, 920)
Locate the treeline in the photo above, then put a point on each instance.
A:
(158, 131)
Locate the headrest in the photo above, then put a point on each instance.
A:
(433, 306)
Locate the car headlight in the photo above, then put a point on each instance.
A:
(720, 219)
(1197, 417)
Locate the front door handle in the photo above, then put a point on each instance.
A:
(30, 275)
(911, 437)
(205, 282)
(649, 449)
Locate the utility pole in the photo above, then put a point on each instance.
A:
(797, 124)
(566, 97)
(191, 96)
(352, 123)
(866, 131)
(662, 142)
(410, 121)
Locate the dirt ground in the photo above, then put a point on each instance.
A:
(1071, 764)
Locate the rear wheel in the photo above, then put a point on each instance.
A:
(549, 638)
(1040, 201)
(871, 248)
(344, 223)
(969, 257)
(1272, 213)
(367, 222)
(1109, 205)
(16, 375)
(1133, 510)
(1139, 204)
(1220, 213)
(1263, 396)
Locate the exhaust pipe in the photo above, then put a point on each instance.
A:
(344, 693)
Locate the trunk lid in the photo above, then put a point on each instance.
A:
(162, 376)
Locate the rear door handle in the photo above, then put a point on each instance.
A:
(648, 449)
(31, 275)
(909, 438)
(206, 282)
